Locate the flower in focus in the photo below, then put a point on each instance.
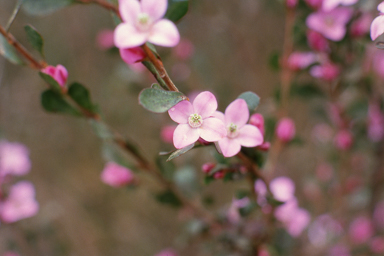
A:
(331, 24)
(116, 175)
(20, 203)
(132, 55)
(238, 132)
(377, 26)
(196, 120)
(14, 159)
(329, 5)
(142, 22)
(286, 130)
(59, 73)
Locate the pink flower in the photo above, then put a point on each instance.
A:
(104, 39)
(317, 41)
(14, 159)
(361, 26)
(132, 55)
(142, 22)
(324, 230)
(286, 130)
(326, 71)
(301, 60)
(196, 120)
(282, 188)
(343, 140)
(20, 203)
(361, 230)
(258, 121)
(331, 24)
(167, 252)
(329, 5)
(238, 132)
(377, 245)
(59, 73)
(377, 26)
(116, 175)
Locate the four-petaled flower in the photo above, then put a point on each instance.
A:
(238, 132)
(377, 26)
(142, 22)
(196, 120)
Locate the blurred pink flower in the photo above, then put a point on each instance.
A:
(286, 130)
(167, 252)
(265, 146)
(317, 41)
(316, 4)
(361, 26)
(239, 133)
(184, 50)
(377, 245)
(104, 39)
(329, 5)
(375, 123)
(59, 73)
(116, 175)
(282, 188)
(14, 159)
(324, 230)
(233, 214)
(361, 230)
(331, 24)
(343, 140)
(301, 60)
(377, 26)
(142, 22)
(326, 71)
(258, 121)
(167, 133)
(196, 120)
(20, 203)
(132, 55)
(261, 191)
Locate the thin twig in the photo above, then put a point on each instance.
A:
(13, 16)
(103, 4)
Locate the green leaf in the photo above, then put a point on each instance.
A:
(306, 91)
(252, 100)
(176, 9)
(255, 155)
(81, 96)
(181, 151)
(44, 7)
(101, 129)
(113, 153)
(274, 61)
(167, 169)
(35, 39)
(159, 101)
(169, 198)
(8, 52)
(51, 81)
(54, 102)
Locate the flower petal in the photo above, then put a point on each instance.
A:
(212, 129)
(377, 27)
(380, 7)
(184, 135)
(250, 136)
(237, 112)
(156, 9)
(129, 9)
(229, 147)
(205, 104)
(181, 112)
(164, 33)
(127, 36)
(219, 115)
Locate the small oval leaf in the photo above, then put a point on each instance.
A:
(181, 151)
(35, 39)
(252, 100)
(159, 101)
(54, 102)
(176, 9)
(81, 96)
(8, 52)
(44, 7)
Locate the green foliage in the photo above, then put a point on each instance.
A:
(176, 9)
(54, 102)
(51, 81)
(44, 7)
(255, 155)
(274, 61)
(306, 91)
(8, 52)
(81, 96)
(35, 39)
(169, 198)
(159, 101)
(166, 168)
(180, 152)
(252, 100)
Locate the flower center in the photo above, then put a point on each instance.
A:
(195, 120)
(143, 21)
(329, 21)
(232, 131)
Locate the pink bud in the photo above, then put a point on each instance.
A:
(218, 175)
(361, 26)
(291, 3)
(326, 71)
(265, 146)
(377, 245)
(132, 55)
(361, 230)
(59, 73)
(167, 133)
(343, 140)
(104, 39)
(317, 41)
(207, 167)
(258, 121)
(285, 130)
(116, 175)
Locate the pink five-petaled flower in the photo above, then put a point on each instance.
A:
(59, 73)
(331, 24)
(196, 120)
(377, 26)
(142, 22)
(238, 132)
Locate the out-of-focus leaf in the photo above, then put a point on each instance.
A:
(44, 7)
(167, 169)
(272, 201)
(252, 100)
(35, 39)
(307, 91)
(51, 81)
(101, 130)
(180, 152)
(247, 210)
(113, 153)
(8, 52)
(169, 198)
(176, 9)
(54, 102)
(208, 179)
(186, 180)
(274, 61)
(256, 156)
(81, 96)
(159, 101)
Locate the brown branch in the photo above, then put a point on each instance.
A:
(103, 4)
